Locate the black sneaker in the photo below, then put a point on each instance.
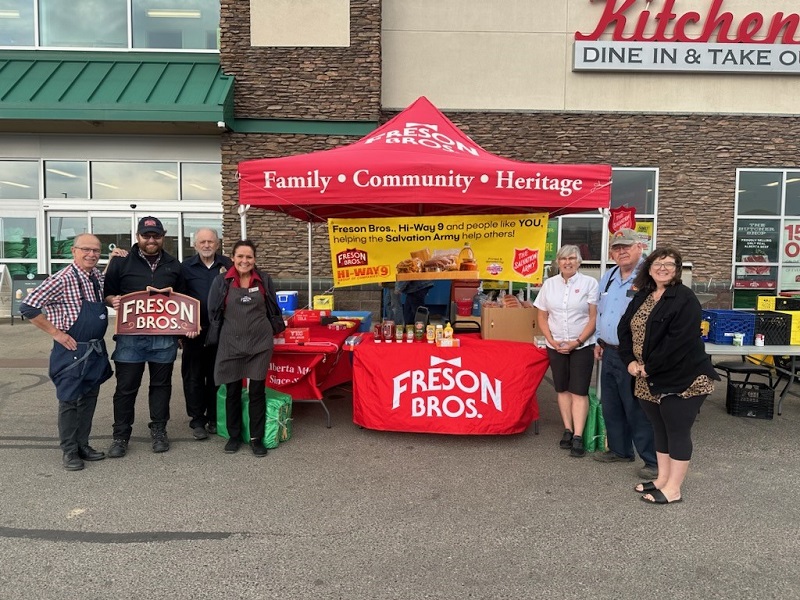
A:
(566, 440)
(118, 448)
(72, 462)
(158, 431)
(577, 450)
(199, 433)
(259, 449)
(232, 446)
(211, 426)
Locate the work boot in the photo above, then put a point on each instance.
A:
(72, 462)
(88, 453)
(158, 431)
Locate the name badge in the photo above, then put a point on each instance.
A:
(252, 289)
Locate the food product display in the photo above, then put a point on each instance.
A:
(438, 261)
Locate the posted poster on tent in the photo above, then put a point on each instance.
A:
(493, 247)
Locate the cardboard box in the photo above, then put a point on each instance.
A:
(308, 317)
(512, 324)
(323, 302)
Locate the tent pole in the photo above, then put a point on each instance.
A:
(243, 208)
(310, 298)
(603, 254)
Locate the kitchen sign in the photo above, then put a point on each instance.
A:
(647, 39)
(157, 312)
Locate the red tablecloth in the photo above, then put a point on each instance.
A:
(304, 371)
(483, 387)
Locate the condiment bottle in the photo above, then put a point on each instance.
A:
(439, 331)
(447, 333)
(430, 333)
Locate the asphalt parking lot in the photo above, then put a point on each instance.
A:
(357, 514)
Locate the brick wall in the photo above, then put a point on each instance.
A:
(341, 84)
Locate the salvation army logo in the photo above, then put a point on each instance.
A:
(352, 257)
(446, 390)
(526, 261)
(622, 217)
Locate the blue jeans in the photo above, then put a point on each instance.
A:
(626, 424)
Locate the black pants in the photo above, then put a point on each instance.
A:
(672, 424)
(197, 371)
(75, 421)
(129, 378)
(257, 412)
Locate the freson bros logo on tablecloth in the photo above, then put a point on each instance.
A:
(445, 390)
(682, 41)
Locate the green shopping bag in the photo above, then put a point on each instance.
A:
(594, 433)
(279, 416)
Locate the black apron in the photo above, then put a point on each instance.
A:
(75, 372)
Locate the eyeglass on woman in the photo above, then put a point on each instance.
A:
(664, 265)
(86, 250)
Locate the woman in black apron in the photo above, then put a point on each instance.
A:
(245, 344)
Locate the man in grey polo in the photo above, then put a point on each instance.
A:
(627, 426)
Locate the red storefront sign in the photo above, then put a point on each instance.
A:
(669, 26)
(157, 312)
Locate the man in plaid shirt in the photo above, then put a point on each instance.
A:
(69, 307)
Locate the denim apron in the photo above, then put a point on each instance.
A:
(75, 372)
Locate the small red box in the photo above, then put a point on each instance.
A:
(297, 335)
(308, 317)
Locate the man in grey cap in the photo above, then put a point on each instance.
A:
(627, 426)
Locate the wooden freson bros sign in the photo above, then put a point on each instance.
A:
(157, 312)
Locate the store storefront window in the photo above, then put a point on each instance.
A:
(19, 180)
(201, 181)
(766, 258)
(83, 23)
(66, 179)
(154, 24)
(16, 23)
(631, 188)
(18, 250)
(134, 180)
(183, 24)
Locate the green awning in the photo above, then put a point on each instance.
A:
(114, 86)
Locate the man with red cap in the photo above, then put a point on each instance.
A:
(147, 264)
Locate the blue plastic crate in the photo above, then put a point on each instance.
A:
(724, 323)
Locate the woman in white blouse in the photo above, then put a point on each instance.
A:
(567, 306)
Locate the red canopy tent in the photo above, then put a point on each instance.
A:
(417, 164)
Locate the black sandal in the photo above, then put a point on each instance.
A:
(647, 487)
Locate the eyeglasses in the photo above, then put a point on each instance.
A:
(88, 250)
(151, 236)
(669, 266)
(621, 248)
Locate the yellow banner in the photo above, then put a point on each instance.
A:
(495, 247)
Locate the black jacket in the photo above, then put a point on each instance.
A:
(199, 277)
(133, 274)
(673, 352)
